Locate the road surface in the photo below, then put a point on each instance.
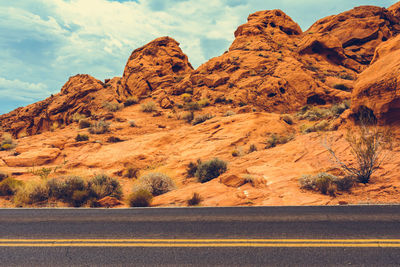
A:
(239, 236)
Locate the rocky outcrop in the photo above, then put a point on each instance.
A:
(81, 94)
(156, 66)
(359, 30)
(377, 89)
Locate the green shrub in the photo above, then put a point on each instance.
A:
(211, 169)
(288, 119)
(99, 127)
(192, 168)
(131, 101)
(140, 198)
(157, 183)
(148, 107)
(81, 138)
(9, 186)
(102, 185)
(112, 107)
(194, 200)
(278, 139)
(201, 118)
(84, 123)
(57, 189)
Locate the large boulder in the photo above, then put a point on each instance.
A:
(377, 89)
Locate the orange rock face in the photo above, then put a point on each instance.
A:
(377, 88)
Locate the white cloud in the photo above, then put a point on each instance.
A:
(23, 91)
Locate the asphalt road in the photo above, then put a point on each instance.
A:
(260, 236)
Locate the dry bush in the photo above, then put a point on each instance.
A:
(84, 123)
(81, 137)
(148, 107)
(114, 139)
(211, 169)
(99, 127)
(131, 101)
(194, 200)
(157, 183)
(229, 113)
(131, 172)
(278, 139)
(201, 118)
(140, 198)
(188, 116)
(112, 107)
(7, 142)
(102, 185)
(323, 182)
(31, 193)
(9, 186)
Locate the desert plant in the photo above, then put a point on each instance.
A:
(201, 118)
(342, 87)
(114, 139)
(132, 100)
(211, 169)
(192, 168)
(237, 152)
(157, 183)
(287, 118)
(229, 113)
(278, 139)
(7, 142)
(131, 172)
(148, 107)
(186, 97)
(314, 113)
(192, 106)
(81, 137)
(112, 107)
(307, 182)
(339, 108)
(84, 123)
(345, 183)
(31, 193)
(132, 123)
(57, 189)
(194, 200)
(367, 145)
(188, 116)
(323, 182)
(9, 186)
(77, 117)
(204, 102)
(102, 185)
(252, 148)
(140, 198)
(99, 127)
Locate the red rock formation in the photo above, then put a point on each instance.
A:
(156, 66)
(359, 30)
(377, 88)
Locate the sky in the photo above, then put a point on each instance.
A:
(44, 42)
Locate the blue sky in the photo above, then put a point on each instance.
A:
(44, 42)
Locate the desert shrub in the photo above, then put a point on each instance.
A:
(252, 148)
(84, 123)
(192, 168)
(132, 123)
(288, 119)
(31, 193)
(3, 176)
(57, 189)
(99, 127)
(148, 107)
(367, 145)
(140, 198)
(43, 172)
(114, 139)
(201, 118)
(81, 137)
(188, 116)
(7, 142)
(342, 87)
(157, 183)
(345, 183)
(192, 106)
(278, 139)
(323, 125)
(77, 117)
(314, 114)
(131, 172)
(204, 102)
(249, 179)
(237, 152)
(211, 169)
(323, 182)
(194, 200)
(79, 198)
(132, 100)
(339, 108)
(102, 185)
(9, 186)
(229, 113)
(112, 107)
(186, 97)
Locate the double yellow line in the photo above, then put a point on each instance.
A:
(389, 243)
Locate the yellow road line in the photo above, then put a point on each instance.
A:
(394, 243)
(359, 245)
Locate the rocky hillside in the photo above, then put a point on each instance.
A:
(266, 107)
